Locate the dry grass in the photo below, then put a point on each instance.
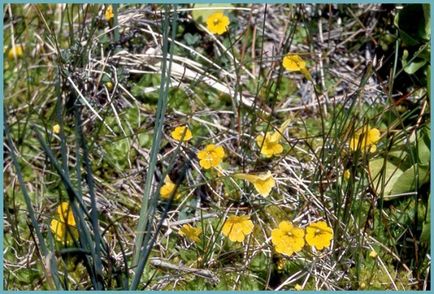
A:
(223, 82)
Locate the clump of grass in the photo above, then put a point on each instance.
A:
(247, 147)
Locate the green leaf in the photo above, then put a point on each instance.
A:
(414, 66)
(188, 256)
(427, 16)
(426, 226)
(413, 22)
(423, 146)
(381, 169)
(417, 60)
(191, 39)
(407, 181)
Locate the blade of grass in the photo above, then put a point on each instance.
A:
(46, 255)
(158, 131)
(145, 215)
(84, 234)
(94, 212)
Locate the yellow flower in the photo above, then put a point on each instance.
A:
(287, 239)
(347, 174)
(65, 214)
(182, 133)
(281, 264)
(298, 287)
(217, 23)
(293, 62)
(56, 128)
(263, 183)
(211, 156)
(64, 229)
(167, 189)
(365, 139)
(319, 235)
(190, 232)
(373, 254)
(236, 228)
(108, 15)
(109, 85)
(15, 52)
(270, 145)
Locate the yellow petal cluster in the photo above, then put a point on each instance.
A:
(263, 183)
(287, 239)
(270, 143)
(347, 174)
(293, 62)
(365, 139)
(167, 189)
(190, 232)
(15, 52)
(236, 228)
(373, 254)
(217, 23)
(210, 156)
(108, 15)
(56, 129)
(319, 235)
(64, 228)
(182, 134)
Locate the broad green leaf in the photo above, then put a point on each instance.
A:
(416, 61)
(426, 226)
(427, 16)
(382, 171)
(423, 146)
(407, 181)
(414, 66)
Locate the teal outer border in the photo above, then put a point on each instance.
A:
(205, 1)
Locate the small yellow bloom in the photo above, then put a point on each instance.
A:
(167, 189)
(65, 214)
(298, 287)
(263, 183)
(108, 15)
(56, 129)
(365, 139)
(236, 228)
(293, 62)
(217, 23)
(182, 133)
(373, 254)
(190, 232)
(109, 85)
(319, 235)
(15, 52)
(64, 229)
(211, 156)
(347, 174)
(270, 144)
(281, 264)
(287, 239)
